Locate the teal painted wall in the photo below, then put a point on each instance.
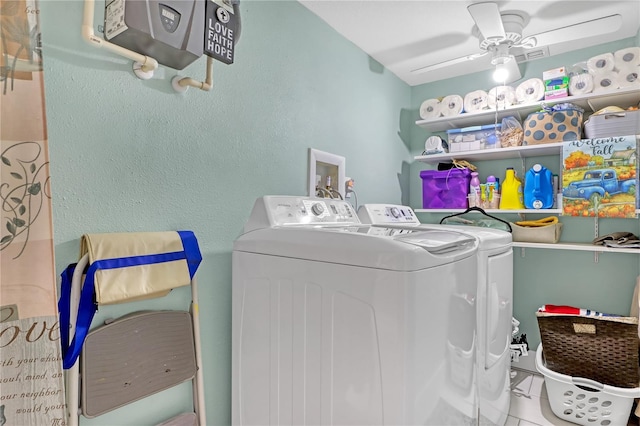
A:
(132, 155)
(544, 276)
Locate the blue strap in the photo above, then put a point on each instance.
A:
(87, 306)
(192, 251)
(64, 304)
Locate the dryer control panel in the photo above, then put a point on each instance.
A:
(283, 210)
(387, 214)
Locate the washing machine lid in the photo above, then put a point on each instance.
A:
(488, 239)
(397, 249)
(397, 215)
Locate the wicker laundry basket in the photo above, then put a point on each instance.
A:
(604, 349)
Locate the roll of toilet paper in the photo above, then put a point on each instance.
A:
(475, 101)
(501, 97)
(430, 109)
(605, 81)
(601, 63)
(625, 58)
(530, 90)
(580, 84)
(628, 77)
(451, 105)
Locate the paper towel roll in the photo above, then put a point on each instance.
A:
(475, 101)
(628, 77)
(430, 109)
(601, 63)
(530, 90)
(451, 105)
(625, 58)
(580, 84)
(501, 97)
(605, 81)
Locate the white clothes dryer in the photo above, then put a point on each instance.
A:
(495, 304)
(339, 323)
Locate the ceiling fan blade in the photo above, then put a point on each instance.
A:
(448, 63)
(595, 27)
(514, 70)
(488, 20)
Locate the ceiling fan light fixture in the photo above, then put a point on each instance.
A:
(507, 71)
(500, 54)
(501, 73)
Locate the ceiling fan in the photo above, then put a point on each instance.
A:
(499, 32)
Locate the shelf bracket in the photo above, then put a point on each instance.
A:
(596, 232)
(522, 166)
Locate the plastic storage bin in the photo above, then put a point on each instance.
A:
(473, 138)
(613, 124)
(445, 189)
(584, 401)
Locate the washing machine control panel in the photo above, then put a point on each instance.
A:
(317, 209)
(387, 214)
(292, 210)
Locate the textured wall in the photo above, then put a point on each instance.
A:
(132, 155)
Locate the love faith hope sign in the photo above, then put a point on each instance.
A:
(220, 30)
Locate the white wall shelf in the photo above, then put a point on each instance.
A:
(591, 102)
(576, 247)
(497, 153)
(498, 211)
(492, 211)
(555, 246)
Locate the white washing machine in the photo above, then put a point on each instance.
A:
(495, 303)
(339, 323)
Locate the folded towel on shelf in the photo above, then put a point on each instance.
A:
(624, 242)
(571, 310)
(614, 236)
(551, 220)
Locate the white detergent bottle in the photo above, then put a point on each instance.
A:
(474, 191)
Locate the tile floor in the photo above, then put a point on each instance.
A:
(530, 402)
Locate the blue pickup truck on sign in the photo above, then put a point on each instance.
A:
(596, 183)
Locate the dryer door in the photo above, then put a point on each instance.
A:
(499, 307)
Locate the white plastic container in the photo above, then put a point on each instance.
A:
(473, 138)
(612, 124)
(584, 401)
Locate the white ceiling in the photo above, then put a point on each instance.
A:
(404, 35)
